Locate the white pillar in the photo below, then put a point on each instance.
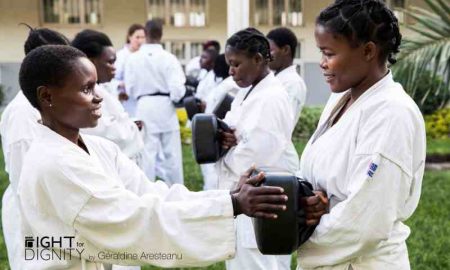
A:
(238, 12)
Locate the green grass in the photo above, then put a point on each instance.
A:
(438, 146)
(428, 245)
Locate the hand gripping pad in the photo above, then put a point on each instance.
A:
(286, 233)
(192, 106)
(205, 138)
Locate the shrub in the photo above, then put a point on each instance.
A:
(429, 93)
(307, 123)
(437, 124)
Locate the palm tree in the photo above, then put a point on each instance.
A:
(428, 50)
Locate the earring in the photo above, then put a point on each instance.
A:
(50, 105)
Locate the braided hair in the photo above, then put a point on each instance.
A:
(363, 21)
(251, 41)
(42, 36)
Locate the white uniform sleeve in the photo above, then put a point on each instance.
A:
(107, 217)
(365, 218)
(129, 76)
(175, 80)
(264, 140)
(14, 158)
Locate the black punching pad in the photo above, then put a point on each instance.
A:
(192, 105)
(205, 138)
(284, 234)
(223, 106)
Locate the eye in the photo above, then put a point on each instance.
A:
(326, 53)
(88, 90)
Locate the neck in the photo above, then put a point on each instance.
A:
(265, 72)
(367, 82)
(131, 49)
(284, 65)
(69, 133)
(153, 41)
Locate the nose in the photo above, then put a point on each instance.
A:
(231, 71)
(97, 98)
(323, 63)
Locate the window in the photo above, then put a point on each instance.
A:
(184, 50)
(278, 12)
(71, 12)
(178, 13)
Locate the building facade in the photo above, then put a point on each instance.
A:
(188, 23)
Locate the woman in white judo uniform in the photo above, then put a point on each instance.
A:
(83, 188)
(115, 124)
(368, 152)
(135, 38)
(18, 128)
(263, 121)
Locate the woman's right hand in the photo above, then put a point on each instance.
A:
(253, 201)
(228, 138)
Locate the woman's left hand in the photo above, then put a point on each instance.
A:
(315, 207)
(228, 138)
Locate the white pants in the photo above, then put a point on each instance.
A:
(167, 144)
(210, 178)
(247, 253)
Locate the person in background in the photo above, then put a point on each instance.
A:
(18, 128)
(262, 119)
(368, 152)
(135, 38)
(154, 77)
(115, 124)
(193, 68)
(283, 44)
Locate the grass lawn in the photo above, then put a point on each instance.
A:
(429, 243)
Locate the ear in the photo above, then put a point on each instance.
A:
(286, 50)
(44, 96)
(370, 51)
(258, 58)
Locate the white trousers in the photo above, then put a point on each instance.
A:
(210, 178)
(167, 145)
(247, 253)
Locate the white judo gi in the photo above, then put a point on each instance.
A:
(18, 127)
(121, 58)
(149, 71)
(264, 124)
(371, 164)
(296, 89)
(116, 126)
(105, 202)
(204, 89)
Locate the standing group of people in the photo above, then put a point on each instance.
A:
(365, 160)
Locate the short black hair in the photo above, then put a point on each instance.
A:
(363, 21)
(213, 43)
(47, 65)
(91, 42)
(251, 41)
(221, 68)
(283, 36)
(154, 28)
(43, 36)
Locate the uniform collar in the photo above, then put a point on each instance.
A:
(150, 47)
(289, 70)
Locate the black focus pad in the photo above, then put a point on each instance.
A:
(192, 105)
(286, 233)
(304, 232)
(206, 142)
(279, 236)
(223, 106)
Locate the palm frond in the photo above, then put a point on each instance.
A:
(428, 49)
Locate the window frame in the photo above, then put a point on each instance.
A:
(82, 23)
(187, 6)
(270, 14)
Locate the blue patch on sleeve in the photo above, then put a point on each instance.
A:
(372, 168)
